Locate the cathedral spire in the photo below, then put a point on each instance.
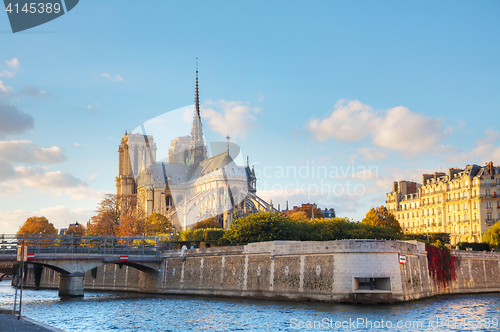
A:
(198, 150)
(196, 95)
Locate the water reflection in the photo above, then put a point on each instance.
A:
(99, 311)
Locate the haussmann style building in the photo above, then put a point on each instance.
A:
(463, 202)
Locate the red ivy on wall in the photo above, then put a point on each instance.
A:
(441, 265)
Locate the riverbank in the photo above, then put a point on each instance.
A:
(10, 323)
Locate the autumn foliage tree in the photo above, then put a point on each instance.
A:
(117, 215)
(37, 225)
(307, 210)
(157, 224)
(381, 217)
(75, 229)
(106, 220)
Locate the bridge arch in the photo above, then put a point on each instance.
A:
(82, 266)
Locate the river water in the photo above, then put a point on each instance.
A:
(114, 311)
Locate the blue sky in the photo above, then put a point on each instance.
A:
(373, 92)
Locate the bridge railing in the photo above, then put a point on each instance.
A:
(85, 244)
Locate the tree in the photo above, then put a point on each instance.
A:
(37, 225)
(208, 223)
(381, 217)
(75, 229)
(106, 221)
(492, 235)
(157, 224)
(299, 216)
(131, 224)
(308, 210)
(259, 227)
(117, 215)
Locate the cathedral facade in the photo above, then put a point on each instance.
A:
(190, 187)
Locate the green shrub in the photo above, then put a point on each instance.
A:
(267, 226)
(474, 246)
(203, 234)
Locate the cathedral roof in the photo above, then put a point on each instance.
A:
(217, 163)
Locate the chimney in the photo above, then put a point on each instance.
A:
(490, 168)
(425, 177)
(395, 187)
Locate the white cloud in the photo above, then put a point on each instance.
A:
(8, 74)
(116, 78)
(91, 109)
(60, 216)
(84, 191)
(28, 152)
(398, 129)
(7, 90)
(234, 118)
(371, 153)
(350, 121)
(14, 63)
(491, 136)
(408, 132)
(483, 151)
(93, 177)
(40, 178)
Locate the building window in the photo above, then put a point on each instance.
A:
(487, 193)
(466, 217)
(475, 216)
(449, 220)
(466, 230)
(475, 228)
(465, 206)
(498, 182)
(475, 205)
(487, 182)
(488, 204)
(449, 208)
(458, 218)
(488, 217)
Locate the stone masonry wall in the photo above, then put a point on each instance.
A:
(325, 271)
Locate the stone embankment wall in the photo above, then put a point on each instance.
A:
(336, 271)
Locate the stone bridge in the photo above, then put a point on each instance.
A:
(72, 256)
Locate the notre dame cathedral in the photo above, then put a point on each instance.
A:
(190, 187)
